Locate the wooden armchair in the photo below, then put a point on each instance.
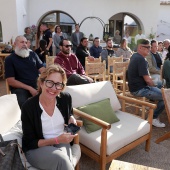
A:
(1, 67)
(110, 63)
(166, 98)
(97, 71)
(118, 75)
(8, 91)
(76, 141)
(112, 140)
(96, 60)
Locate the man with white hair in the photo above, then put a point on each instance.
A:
(166, 44)
(21, 70)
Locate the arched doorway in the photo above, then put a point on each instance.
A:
(61, 18)
(125, 22)
(96, 26)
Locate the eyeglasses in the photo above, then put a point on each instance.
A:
(50, 84)
(148, 47)
(67, 46)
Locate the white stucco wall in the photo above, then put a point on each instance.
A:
(163, 30)
(80, 9)
(8, 18)
(22, 15)
(14, 20)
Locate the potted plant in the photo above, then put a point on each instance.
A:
(91, 37)
(152, 35)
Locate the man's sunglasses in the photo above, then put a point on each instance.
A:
(148, 47)
(67, 46)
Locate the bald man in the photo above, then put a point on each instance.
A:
(21, 70)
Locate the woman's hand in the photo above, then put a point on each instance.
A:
(72, 120)
(66, 138)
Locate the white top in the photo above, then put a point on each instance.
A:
(128, 39)
(52, 126)
(164, 53)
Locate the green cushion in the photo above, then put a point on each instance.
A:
(101, 110)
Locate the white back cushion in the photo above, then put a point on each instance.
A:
(93, 92)
(9, 112)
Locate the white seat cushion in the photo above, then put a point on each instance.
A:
(9, 112)
(128, 129)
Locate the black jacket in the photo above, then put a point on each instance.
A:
(81, 54)
(31, 119)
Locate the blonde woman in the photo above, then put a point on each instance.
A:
(45, 144)
(124, 50)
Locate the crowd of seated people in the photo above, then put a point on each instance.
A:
(24, 65)
(44, 41)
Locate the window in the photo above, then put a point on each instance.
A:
(65, 21)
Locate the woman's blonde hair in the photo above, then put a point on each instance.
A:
(122, 43)
(49, 70)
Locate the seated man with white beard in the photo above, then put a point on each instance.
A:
(21, 70)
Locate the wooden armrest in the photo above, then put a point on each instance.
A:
(93, 119)
(76, 139)
(143, 103)
(136, 101)
(79, 123)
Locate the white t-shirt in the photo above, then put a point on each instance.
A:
(164, 53)
(52, 126)
(128, 39)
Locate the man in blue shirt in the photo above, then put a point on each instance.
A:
(140, 82)
(22, 69)
(96, 49)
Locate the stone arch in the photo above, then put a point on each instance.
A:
(94, 21)
(56, 20)
(99, 19)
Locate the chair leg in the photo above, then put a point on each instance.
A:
(77, 166)
(162, 138)
(147, 145)
(102, 166)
